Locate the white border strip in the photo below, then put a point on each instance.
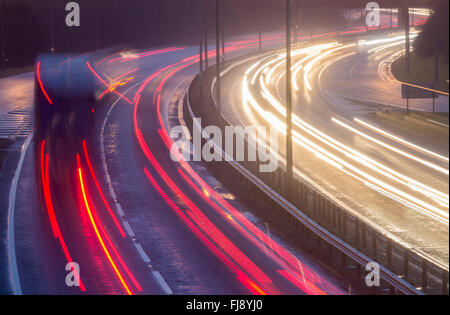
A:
(12, 260)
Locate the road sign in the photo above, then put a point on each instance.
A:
(410, 92)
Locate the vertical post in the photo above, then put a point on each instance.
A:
(365, 20)
(390, 16)
(374, 244)
(363, 235)
(201, 41)
(405, 18)
(289, 158)
(205, 21)
(52, 39)
(444, 282)
(97, 24)
(310, 26)
(259, 25)
(424, 274)
(2, 36)
(436, 58)
(218, 87)
(389, 252)
(407, 42)
(295, 22)
(406, 262)
(223, 34)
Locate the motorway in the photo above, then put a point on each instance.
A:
(342, 142)
(134, 221)
(111, 199)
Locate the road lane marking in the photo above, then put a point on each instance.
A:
(128, 229)
(162, 282)
(141, 251)
(14, 272)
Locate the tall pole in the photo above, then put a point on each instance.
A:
(295, 22)
(289, 158)
(2, 35)
(223, 35)
(218, 87)
(201, 38)
(259, 25)
(390, 16)
(205, 21)
(52, 43)
(407, 50)
(436, 58)
(97, 24)
(407, 42)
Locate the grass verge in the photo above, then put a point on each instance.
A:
(422, 70)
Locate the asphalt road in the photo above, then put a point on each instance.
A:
(395, 185)
(136, 222)
(132, 219)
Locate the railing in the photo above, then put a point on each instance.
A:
(312, 212)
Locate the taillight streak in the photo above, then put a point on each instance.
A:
(105, 83)
(41, 85)
(50, 210)
(96, 230)
(110, 211)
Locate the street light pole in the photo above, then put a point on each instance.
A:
(295, 22)
(223, 34)
(205, 21)
(201, 38)
(259, 25)
(407, 50)
(2, 35)
(52, 43)
(436, 58)
(97, 24)
(289, 158)
(218, 87)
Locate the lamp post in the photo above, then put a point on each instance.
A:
(436, 57)
(52, 43)
(201, 24)
(205, 21)
(218, 87)
(289, 158)
(2, 35)
(259, 26)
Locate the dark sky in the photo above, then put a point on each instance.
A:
(137, 23)
(149, 22)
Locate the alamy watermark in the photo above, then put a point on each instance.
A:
(373, 14)
(373, 277)
(73, 17)
(260, 144)
(73, 277)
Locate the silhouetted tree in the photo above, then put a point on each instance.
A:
(23, 38)
(424, 44)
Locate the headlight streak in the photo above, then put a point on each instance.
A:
(309, 66)
(400, 140)
(396, 194)
(391, 148)
(278, 254)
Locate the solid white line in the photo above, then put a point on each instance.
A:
(162, 282)
(14, 272)
(438, 123)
